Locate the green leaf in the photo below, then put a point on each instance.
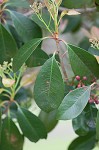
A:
(83, 143)
(77, 4)
(47, 20)
(85, 122)
(74, 103)
(97, 126)
(24, 53)
(38, 58)
(25, 27)
(49, 119)
(11, 137)
(31, 125)
(16, 3)
(82, 62)
(49, 86)
(8, 46)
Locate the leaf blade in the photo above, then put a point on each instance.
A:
(73, 103)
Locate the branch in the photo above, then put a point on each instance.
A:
(81, 10)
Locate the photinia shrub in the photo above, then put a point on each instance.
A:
(63, 83)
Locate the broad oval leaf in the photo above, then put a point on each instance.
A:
(24, 53)
(49, 119)
(49, 86)
(83, 143)
(82, 62)
(74, 103)
(26, 28)
(11, 138)
(31, 126)
(8, 47)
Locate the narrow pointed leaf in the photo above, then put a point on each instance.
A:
(24, 53)
(11, 137)
(82, 62)
(74, 103)
(8, 47)
(49, 86)
(26, 28)
(31, 125)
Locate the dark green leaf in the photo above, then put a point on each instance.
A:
(16, 3)
(74, 103)
(85, 122)
(25, 27)
(38, 58)
(31, 125)
(11, 137)
(8, 46)
(0, 123)
(24, 53)
(49, 86)
(49, 119)
(82, 62)
(77, 3)
(83, 143)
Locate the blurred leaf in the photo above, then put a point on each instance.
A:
(25, 27)
(49, 119)
(83, 143)
(11, 137)
(82, 62)
(76, 3)
(24, 53)
(38, 58)
(74, 23)
(73, 103)
(0, 123)
(85, 122)
(49, 86)
(20, 3)
(31, 125)
(8, 46)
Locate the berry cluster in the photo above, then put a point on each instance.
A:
(80, 81)
(94, 99)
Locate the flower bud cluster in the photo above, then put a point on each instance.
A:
(36, 7)
(80, 81)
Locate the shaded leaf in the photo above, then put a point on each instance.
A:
(49, 119)
(97, 126)
(74, 103)
(83, 143)
(31, 125)
(8, 46)
(11, 137)
(38, 58)
(82, 62)
(24, 53)
(49, 86)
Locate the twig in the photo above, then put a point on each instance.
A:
(81, 10)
